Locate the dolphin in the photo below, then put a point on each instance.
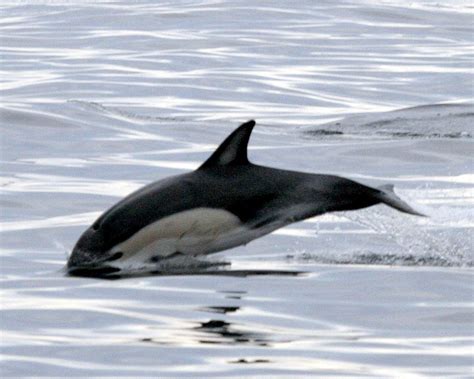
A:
(226, 202)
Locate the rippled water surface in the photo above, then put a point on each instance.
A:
(99, 98)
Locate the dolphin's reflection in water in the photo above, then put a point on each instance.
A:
(221, 309)
(216, 331)
(211, 331)
(220, 331)
(226, 333)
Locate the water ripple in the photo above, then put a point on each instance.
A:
(101, 98)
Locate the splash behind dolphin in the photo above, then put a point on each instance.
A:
(226, 202)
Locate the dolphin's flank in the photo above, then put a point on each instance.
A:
(228, 201)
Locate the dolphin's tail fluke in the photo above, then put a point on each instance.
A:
(387, 196)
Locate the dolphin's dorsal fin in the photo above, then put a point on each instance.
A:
(233, 151)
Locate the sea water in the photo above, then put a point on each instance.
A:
(100, 98)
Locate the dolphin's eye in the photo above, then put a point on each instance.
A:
(96, 226)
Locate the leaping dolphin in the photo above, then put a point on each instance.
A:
(228, 201)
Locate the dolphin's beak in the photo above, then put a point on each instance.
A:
(85, 263)
(99, 272)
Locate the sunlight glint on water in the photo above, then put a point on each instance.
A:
(99, 99)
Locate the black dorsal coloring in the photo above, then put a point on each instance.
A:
(233, 151)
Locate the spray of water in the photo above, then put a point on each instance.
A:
(419, 241)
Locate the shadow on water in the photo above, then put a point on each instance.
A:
(114, 273)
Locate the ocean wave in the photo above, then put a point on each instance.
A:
(452, 121)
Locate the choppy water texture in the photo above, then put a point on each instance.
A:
(100, 98)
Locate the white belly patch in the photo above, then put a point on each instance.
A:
(196, 231)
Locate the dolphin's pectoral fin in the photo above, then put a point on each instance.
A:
(161, 258)
(233, 150)
(114, 257)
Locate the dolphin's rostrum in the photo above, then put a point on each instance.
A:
(226, 202)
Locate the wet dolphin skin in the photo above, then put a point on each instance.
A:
(228, 201)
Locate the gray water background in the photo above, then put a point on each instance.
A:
(99, 98)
